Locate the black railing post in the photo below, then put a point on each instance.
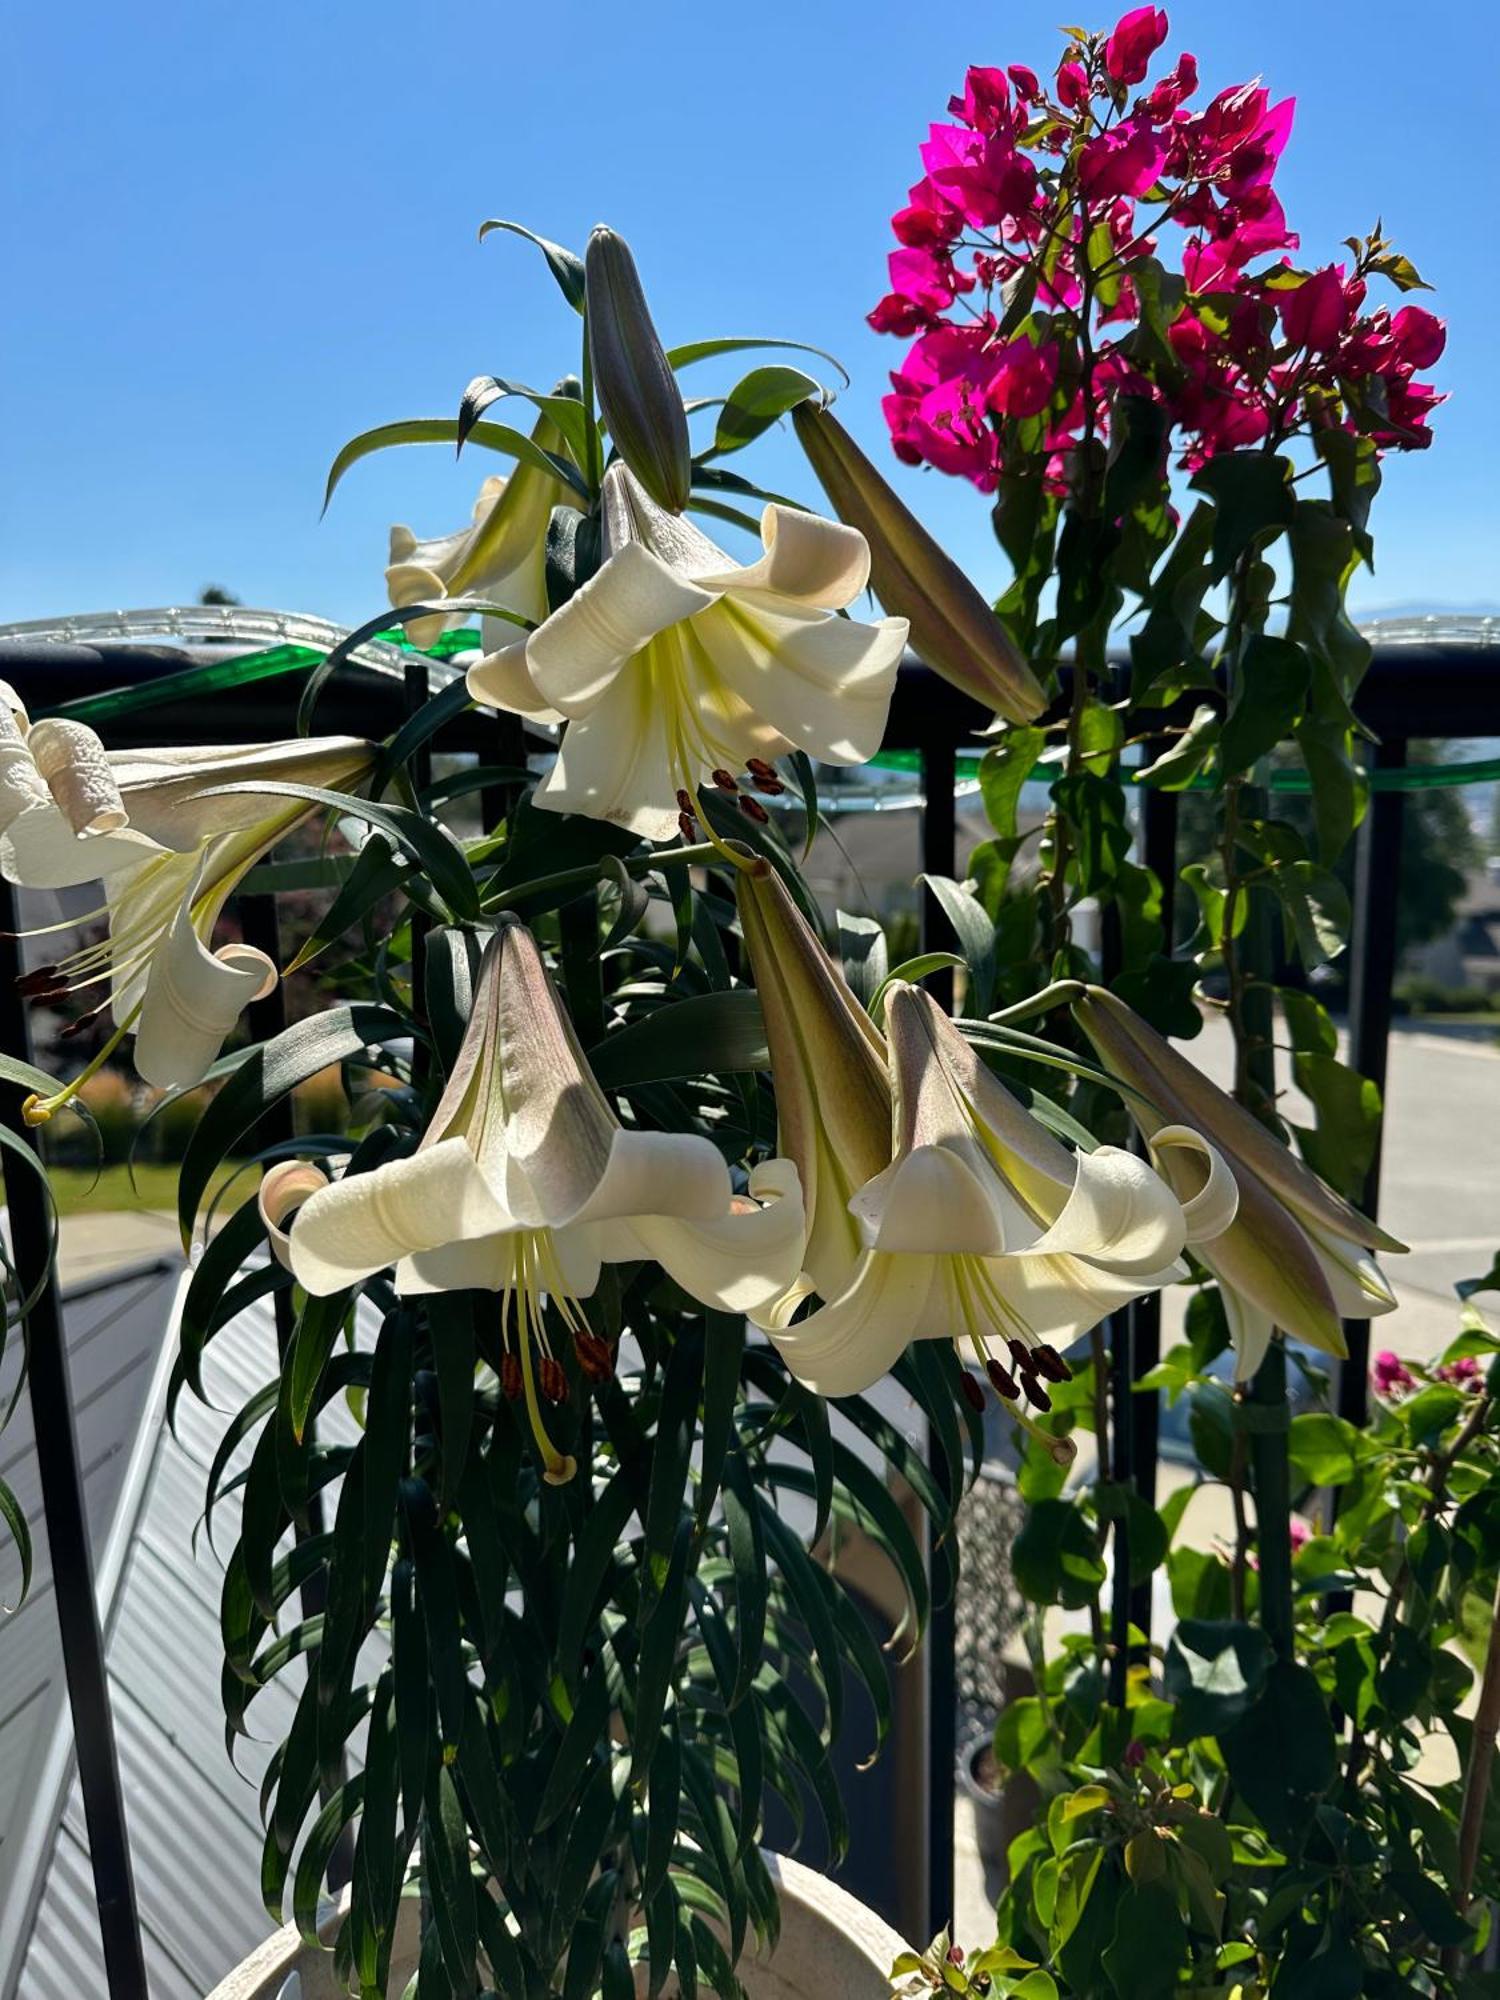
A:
(1373, 952)
(64, 1510)
(939, 852)
(1158, 844)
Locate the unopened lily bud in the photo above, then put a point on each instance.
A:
(833, 1100)
(1294, 1255)
(952, 627)
(633, 379)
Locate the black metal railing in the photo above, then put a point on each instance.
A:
(1437, 681)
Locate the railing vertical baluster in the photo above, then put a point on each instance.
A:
(1373, 953)
(939, 851)
(1158, 840)
(65, 1511)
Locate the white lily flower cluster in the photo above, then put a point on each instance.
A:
(963, 1218)
(525, 1183)
(169, 848)
(674, 666)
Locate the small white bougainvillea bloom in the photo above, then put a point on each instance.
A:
(525, 1183)
(169, 847)
(674, 662)
(983, 1229)
(1297, 1256)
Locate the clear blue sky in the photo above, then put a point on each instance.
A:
(238, 233)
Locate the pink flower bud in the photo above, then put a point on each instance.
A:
(1312, 316)
(1420, 335)
(1072, 86)
(1137, 37)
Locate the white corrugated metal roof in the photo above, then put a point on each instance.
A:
(193, 1817)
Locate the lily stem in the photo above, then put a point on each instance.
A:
(1477, 1779)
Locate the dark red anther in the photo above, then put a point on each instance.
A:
(759, 768)
(596, 1357)
(1050, 1364)
(1022, 1357)
(973, 1394)
(1004, 1384)
(753, 809)
(686, 802)
(1035, 1394)
(726, 781)
(511, 1384)
(687, 826)
(40, 984)
(772, 787)
(551, 1379)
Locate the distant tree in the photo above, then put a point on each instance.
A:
(215, 593)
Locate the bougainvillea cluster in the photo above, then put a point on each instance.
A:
(1100, 235)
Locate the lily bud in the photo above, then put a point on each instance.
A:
(952, 627)
(1296, 1256)
(833, 1098)
(637, 390)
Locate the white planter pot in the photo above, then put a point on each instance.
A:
(830, 1946)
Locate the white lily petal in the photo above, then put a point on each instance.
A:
(1358, 1284)
(616, 766)
(1120, 1214)
(1059, 1297)
(22, 787)
(193, 998)
(944, 1090)
(76, 769)
(629, 515)
(143, 902)
(41, 851)
(577, 653)
(13, 709)
(501, 679)
(660, 1174)
(1200, 1177)
(409, 583)
(283, 1190)
(1250, 1330)
(938, 1200)
(824, 683)
(364, 1222)
(469, 1264)
(847, 1345)
(165, 790)
(807, 558)
(555, 1145)
(737, 1262)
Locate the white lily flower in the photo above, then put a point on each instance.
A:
(985, 1230)
(169, 854)
(500, 556)
(525, 1183)
(674, 662)
(1298, 1256)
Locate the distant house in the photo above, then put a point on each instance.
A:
(1468, 955)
